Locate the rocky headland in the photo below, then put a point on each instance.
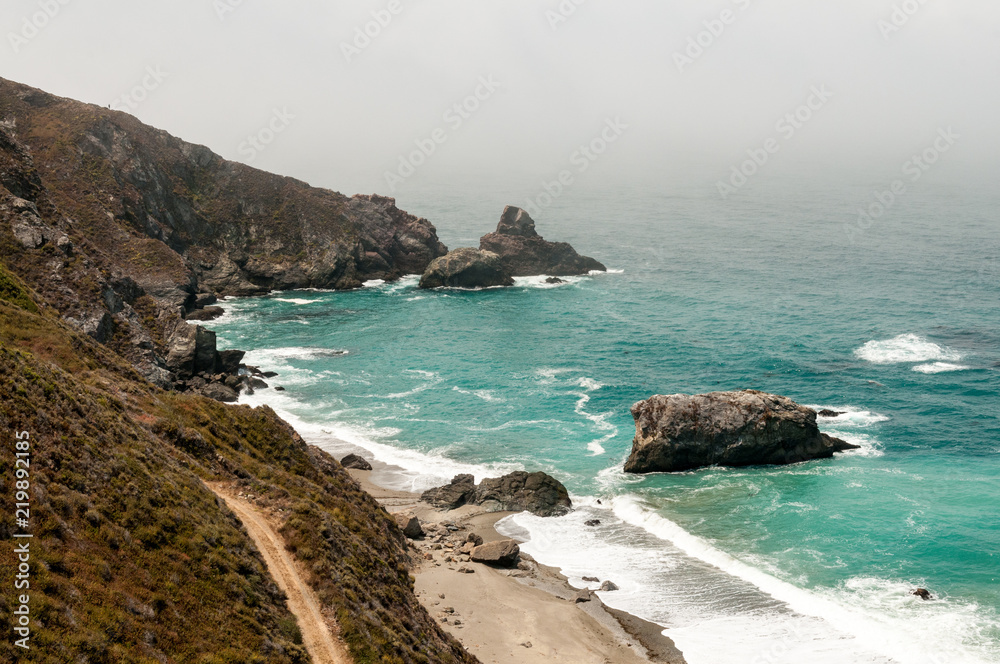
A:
(745, 428)
(125, 231)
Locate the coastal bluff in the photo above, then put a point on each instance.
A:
(681, 432)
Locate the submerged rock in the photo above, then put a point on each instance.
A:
(923, 594)
(466, 268)
(537, 493)
(746, 428)
(524, 253)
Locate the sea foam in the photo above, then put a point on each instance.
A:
(905, 348)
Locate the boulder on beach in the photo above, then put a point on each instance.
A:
(409, 524)
(537, 493)
(502, 553)
(356, 462)
(524, 253)
(745, 428)
(466, 268)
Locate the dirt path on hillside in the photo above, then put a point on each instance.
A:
(302, 602)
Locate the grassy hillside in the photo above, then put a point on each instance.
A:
(135, 560)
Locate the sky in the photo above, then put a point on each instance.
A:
(392, 96)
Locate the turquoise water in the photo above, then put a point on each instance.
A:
(899, 328)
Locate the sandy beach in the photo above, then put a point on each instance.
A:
(528, 614)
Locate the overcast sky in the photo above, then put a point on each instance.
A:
(343, 117)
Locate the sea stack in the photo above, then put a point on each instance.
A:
(525, 253)
(466, 268)
(746, 428)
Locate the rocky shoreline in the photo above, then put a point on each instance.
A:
(527, 613)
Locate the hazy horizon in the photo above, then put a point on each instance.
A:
(343, 112)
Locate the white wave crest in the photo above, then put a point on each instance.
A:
(940, 367)
(905, 348)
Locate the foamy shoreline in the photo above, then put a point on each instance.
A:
(518, 616)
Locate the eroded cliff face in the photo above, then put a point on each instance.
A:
(124, 229)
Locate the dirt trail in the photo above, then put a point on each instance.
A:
(316, 636)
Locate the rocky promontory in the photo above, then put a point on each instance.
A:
(466, 268)
(745, 428)
(523, 252)
(126, 231)
(538, 493)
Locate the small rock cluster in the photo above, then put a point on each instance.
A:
(538, 493)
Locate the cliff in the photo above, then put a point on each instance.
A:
(125, 230)
(109, 231)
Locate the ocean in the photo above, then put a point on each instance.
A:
(783, 288)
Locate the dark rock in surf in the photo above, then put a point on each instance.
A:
(524, 253)
(537, 493)
(829, 413)
(746, 428)
(356, 462)
(555, 280)
(466, 268)
(205, 314)
(923, 594)
(451, 496)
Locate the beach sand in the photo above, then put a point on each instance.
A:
(524, 615)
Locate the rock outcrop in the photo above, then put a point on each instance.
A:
(523, 252)
(466, 268)
(461, 491)
(746, 428)
(537, 493)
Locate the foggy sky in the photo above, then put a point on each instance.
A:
(228, 70)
